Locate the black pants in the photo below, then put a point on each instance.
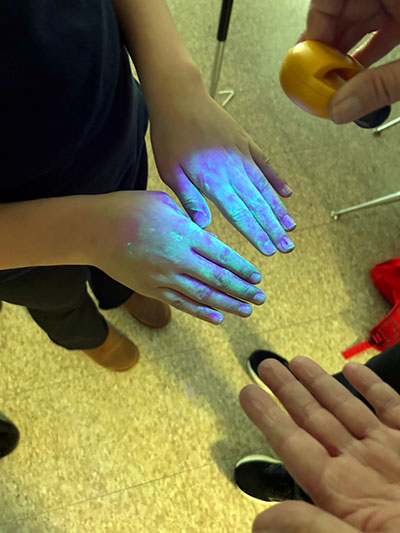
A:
(387, 366)
(58, 301)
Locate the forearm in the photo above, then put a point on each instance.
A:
(54, 231)
(162, 61)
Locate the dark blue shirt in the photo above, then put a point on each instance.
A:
(72, 118)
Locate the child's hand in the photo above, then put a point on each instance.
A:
(144, 241)
(201, 151)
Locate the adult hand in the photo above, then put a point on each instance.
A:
(143, 240)
(342, 24)
(342, 454)
(200, 150)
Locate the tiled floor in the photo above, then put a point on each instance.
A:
(153, 449)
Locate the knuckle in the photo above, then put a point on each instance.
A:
(224, 255)
(248, 292)
(238, 215)
(313, 417)
(175, 300)
(178, 303)
(203, 294)
(222, 279)
(263, 186)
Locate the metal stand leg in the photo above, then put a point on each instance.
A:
(226, 11)
(395, 197)
(390, 124)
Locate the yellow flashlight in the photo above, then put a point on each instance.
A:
(312, 72)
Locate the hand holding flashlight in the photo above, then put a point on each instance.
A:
(313, 72)
(342, 24)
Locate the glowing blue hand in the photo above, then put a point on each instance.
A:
(202, 152)
(241, 192)
(150, 245)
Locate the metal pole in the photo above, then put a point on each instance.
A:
(395, 197)
(222, 34)
(378, 130)
(216, 73)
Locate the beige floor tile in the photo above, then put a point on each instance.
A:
(326, 274)
(29, 359)
(200, 500)
(108, 431)
(363, 171)
(323, 340)
(184, 333)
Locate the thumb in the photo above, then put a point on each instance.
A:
(299, 517)
(366, 92)
(191, 199)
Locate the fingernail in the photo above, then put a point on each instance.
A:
(259, 298)
(255, 277)
(285, 244)
(269, 248)
(288, 222)
(245, 309)
(216, 318)
(346, 110)
(286, 190)
(200, 218)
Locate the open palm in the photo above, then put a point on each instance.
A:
(342, 454)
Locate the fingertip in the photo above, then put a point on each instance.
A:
(252, 400)
(255, 278)
(246, 394)
(267, 248)
(285, 191)
(285, 245)
(200, 218)
(216, 318)
(288, 223)
(299, 360)
(247, 389)
(259, 298)
(351, 367)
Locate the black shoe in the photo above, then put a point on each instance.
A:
(258, 357)
(264, 478)
(9, 436)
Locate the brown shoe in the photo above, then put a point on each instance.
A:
(116, 353)
(148, 311)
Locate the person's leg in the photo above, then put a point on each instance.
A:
(109, 293)
(58, 301)
(386, 365)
